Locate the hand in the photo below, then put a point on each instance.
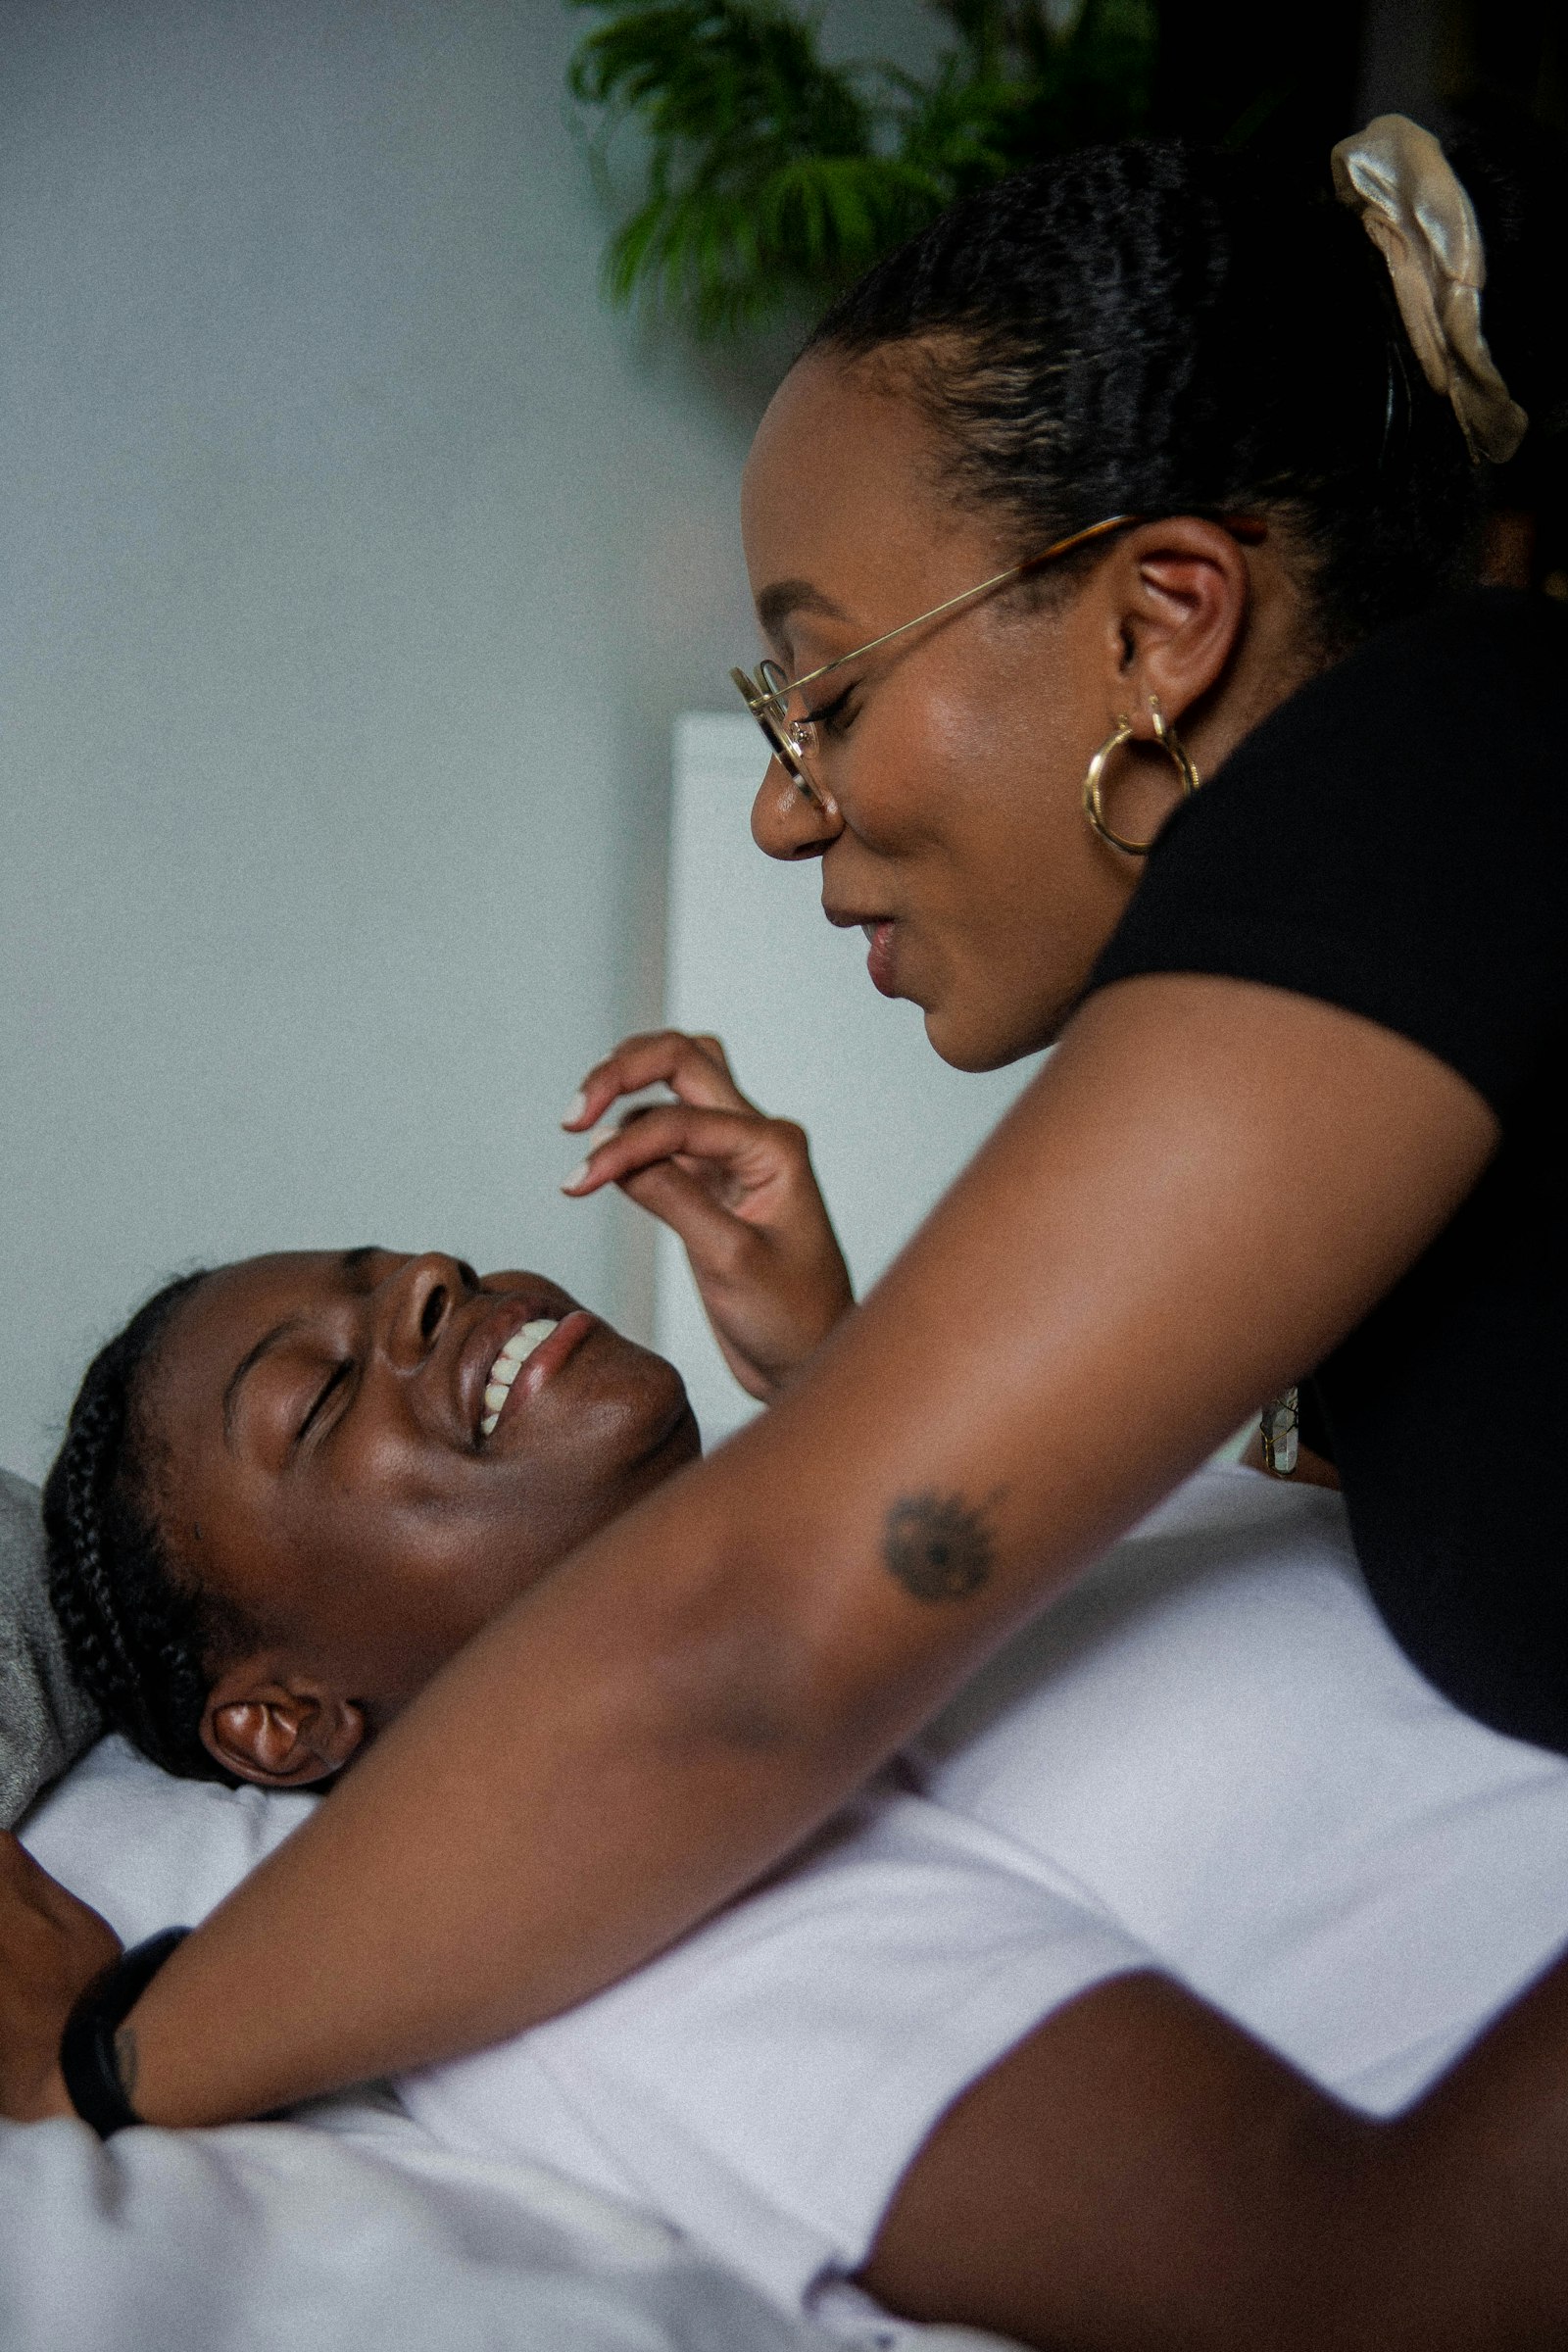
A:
(51, 1947)
(737, 1187)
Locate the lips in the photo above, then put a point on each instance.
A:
(515, 1354)
(498, 1317)
(881, 931)
(879, 955)
(541, 1364)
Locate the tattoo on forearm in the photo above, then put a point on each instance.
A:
(937, 1547)
(125, 2061)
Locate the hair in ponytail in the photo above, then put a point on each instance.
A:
(1157, 328)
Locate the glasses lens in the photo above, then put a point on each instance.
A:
(764, 697)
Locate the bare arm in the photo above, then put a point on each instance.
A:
(1204, 1189)
(1139, 2173)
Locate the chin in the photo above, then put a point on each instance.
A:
(671, 1435)
(976, 1047)
(682, 1441)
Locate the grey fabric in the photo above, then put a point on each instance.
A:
(45, 1722)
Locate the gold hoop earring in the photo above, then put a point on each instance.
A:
(1175, 751)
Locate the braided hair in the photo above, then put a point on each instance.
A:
(142, 1639)
(1157, 328)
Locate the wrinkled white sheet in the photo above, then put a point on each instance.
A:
(354, 2232)
(1286, 1816)
(349, 2228)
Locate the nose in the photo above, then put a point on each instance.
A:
(417, 1300)
(786, 824)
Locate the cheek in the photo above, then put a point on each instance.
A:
(1011, 896)
(921, 786)
(386, 1555)
(969, 763)
(405, 1603)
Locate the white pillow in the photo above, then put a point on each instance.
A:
(150, 1851)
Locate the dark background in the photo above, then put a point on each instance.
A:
(1292, 78)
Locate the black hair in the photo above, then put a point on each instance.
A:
(142, 1639)
(1158, 328)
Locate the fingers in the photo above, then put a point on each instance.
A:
(51, 1946)
(695, 1070)
(751, 1152)
(720, 1245)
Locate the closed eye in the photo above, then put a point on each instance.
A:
(825, 715)
(329, 1388)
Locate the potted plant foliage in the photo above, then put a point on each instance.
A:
(769, 175)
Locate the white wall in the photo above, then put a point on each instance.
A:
(808, 1038)
(355, 563)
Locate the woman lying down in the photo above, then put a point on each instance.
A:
(1077, 2024)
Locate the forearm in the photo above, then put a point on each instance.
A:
(673, 1709)
(625, 1749)
(439, 1899)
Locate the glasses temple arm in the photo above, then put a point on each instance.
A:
(1062, 546)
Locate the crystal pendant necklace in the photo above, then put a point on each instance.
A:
(1282, 1433)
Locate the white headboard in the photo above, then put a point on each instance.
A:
(750, 959)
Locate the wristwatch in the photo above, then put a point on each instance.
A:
(87, 2056)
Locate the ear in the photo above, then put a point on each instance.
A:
(281, 1730)
(1184, 592)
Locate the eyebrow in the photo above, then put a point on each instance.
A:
(350, 1263)
(776, 603)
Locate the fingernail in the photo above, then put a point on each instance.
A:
(578, 1176)
(576, 1109)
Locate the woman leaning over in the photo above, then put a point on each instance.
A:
(1298, 1119)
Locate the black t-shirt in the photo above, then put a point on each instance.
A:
(1395, 839)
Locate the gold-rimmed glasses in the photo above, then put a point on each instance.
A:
(767, 690)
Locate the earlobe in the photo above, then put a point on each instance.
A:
(279, 1734)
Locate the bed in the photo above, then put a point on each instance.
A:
(348, 2226)
(1286, 1816)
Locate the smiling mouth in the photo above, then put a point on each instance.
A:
(515, 1354)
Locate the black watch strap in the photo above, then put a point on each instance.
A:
(87, 2057)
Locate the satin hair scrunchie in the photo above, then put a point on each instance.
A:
(1396, 177)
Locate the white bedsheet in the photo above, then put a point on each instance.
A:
(1211, 1757)
(350, 2227)
(359, 2237)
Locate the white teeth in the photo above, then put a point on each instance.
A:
(508, 1364)
(522, 1343)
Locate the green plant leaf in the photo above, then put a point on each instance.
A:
(773, 176)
